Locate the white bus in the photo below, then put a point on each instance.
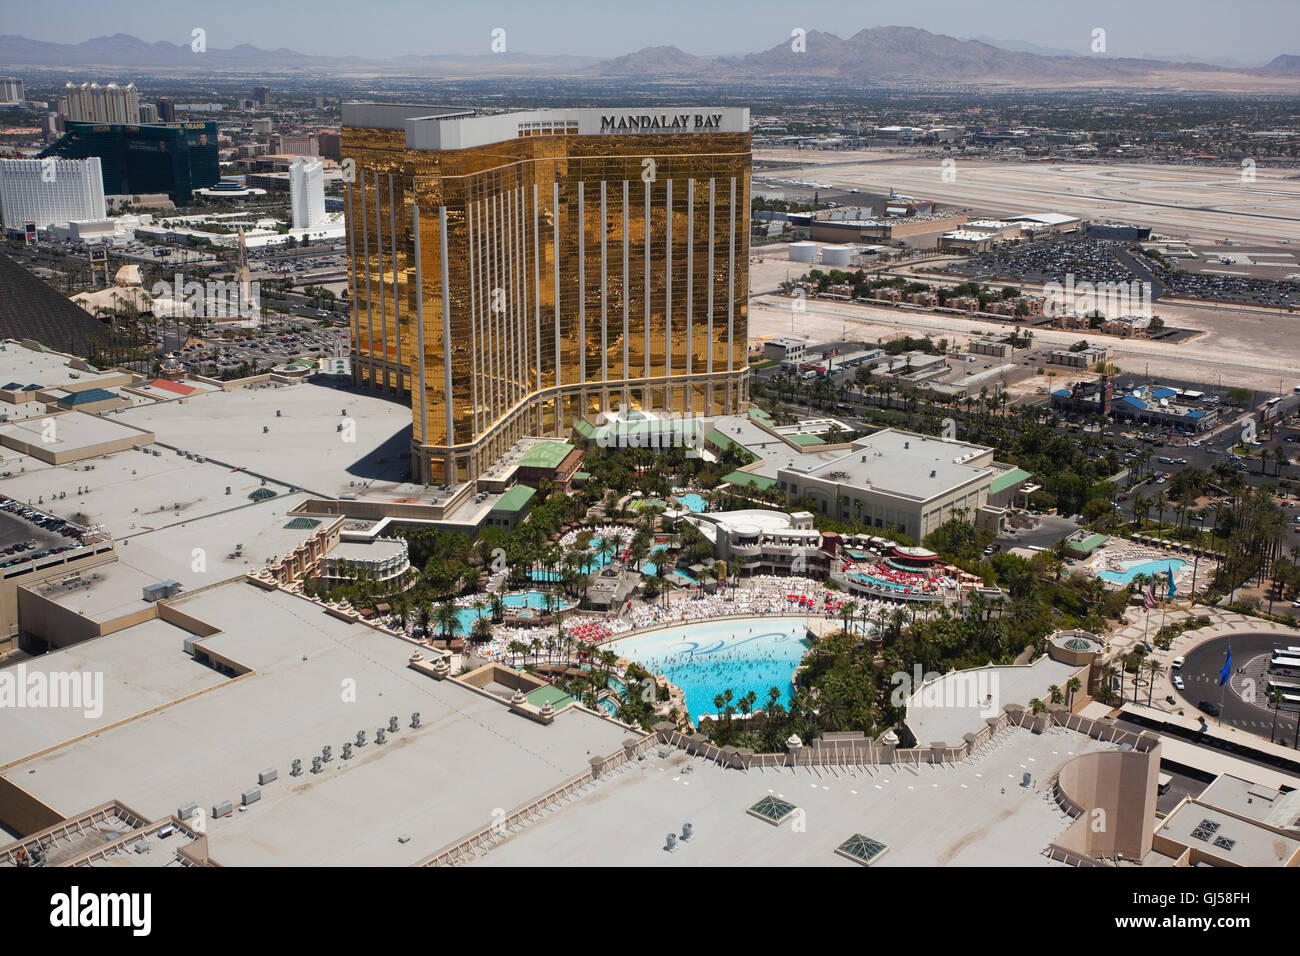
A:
(1284, 667)
(1290, 694)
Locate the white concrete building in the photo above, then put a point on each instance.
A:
(307, 193)
(50, 191)
(11, 90)
(92, 103)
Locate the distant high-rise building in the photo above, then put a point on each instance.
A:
(92, 103)
(304, 145)
(11, 90)
(51, 127)
(50, 192)
(262, 95)
(318, 102)
(166, 109)
(148, 113)
(307, 193)
(520, 273)
(261, 126)
(172, 158)
(331, 144)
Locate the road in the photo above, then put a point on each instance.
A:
(1201, 676)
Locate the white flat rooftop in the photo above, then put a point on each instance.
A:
(129, 492)
(195, 553)
(965, 814)
(946, 708)
(470, 756)
(141, 670)
(302, 447)
(70, 431)
(907, 465)
(47, 369)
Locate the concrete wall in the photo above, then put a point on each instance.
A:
(23, 813)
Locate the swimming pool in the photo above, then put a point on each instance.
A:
(708, 658)
(652, 567)
(875, 582)
(1133, 568)
(466, 616)
(694, 502)
(594, 563)
(534, 599)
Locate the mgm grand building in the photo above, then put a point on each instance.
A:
(515, 273)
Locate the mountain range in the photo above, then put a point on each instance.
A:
(879, 56)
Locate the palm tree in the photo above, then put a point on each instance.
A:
(1036, 706)
(1275, 698)
(1154, 669)
(1073, 685)
(846, 614)
(1054, 694)
(447, 618)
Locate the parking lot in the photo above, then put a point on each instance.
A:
(273, 345)
(27, 532)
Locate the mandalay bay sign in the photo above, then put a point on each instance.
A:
(672, 122)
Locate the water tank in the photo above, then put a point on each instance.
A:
(836, 256)
(803, 251)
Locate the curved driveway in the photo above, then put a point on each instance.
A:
(1201, 677)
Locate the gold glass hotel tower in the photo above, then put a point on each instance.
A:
(515, 273)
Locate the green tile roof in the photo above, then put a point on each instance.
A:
(516, 499)
(1087, 544)
(806, 439)
(745, 478)
(550, 693)
(546, 454)
(723, 443)
(1007, 479)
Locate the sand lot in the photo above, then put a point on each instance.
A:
(1252, 347)
(1202, 202)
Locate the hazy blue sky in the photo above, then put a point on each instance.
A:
(1245, 30)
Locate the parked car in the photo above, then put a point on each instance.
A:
(1178, 683)
(1209, 707)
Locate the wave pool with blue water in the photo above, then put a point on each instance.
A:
(708, 658)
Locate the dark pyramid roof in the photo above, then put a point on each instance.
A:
(32, 309)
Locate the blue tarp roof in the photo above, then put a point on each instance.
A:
(1163, 391)
(1062, 392)
(1196, 413)
(1135, 402)
(88, 396)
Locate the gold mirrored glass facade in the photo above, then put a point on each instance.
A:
(515, 286)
